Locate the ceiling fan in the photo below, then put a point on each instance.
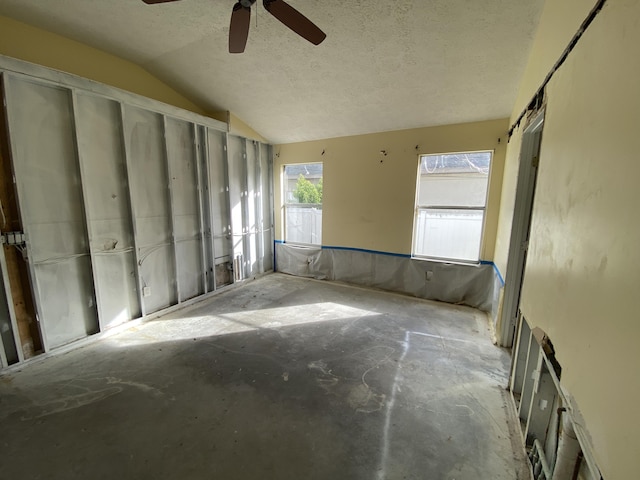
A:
(241, 18)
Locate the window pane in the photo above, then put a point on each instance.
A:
(458, 179)
(302, 193)
(448, 234)
(303, 224)
(303, 183)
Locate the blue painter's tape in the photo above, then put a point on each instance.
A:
(495, 269)
(351, 249)
(364, 250)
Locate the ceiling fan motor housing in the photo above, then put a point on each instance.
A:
(241, 19)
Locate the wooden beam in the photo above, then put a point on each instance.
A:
(10, 221)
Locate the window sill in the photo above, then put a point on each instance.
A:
(301, 245)
(469, 263)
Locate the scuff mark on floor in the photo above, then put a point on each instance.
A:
(91, 392)
(141, 386)
(68, 403)
(358, 393)
(326, 379)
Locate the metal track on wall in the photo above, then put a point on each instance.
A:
(539, 399)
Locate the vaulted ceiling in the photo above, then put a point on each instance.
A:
(385, 65)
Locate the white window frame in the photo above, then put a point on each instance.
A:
(418, 208)
(286, 204)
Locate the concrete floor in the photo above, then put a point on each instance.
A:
(281, 378)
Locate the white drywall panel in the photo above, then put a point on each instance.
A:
(152, 211)
(101, 153)
(126, 210)
(51, 204)
(208, 258)
(266, 204)
(181, 155)
(220, 206)
(237, 200)
(253, 186)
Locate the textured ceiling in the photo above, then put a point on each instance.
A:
(385, 65)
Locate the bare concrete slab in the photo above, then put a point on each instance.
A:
(281, 378)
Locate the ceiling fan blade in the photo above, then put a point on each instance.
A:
(239, 28)
(152, 2)
(295, 20)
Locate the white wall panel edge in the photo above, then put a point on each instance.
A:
(211, 237)
(171, 203)
(201, 223)
(83, 183)
(259, 207)
(134, 228)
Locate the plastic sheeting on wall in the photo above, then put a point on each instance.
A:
(472, 285)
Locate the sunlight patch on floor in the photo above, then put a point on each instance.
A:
(191, 327)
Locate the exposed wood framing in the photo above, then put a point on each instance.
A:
(17, 269)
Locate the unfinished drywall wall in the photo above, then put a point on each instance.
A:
(582, 267)
(369, 196)
(22, 41)
(118, 201)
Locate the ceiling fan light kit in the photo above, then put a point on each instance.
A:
(241, 19)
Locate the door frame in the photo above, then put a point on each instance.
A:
(520, 227)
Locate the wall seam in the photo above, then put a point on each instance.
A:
(538, 98)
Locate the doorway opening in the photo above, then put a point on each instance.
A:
(521, 226)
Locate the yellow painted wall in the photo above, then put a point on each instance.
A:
(240, 128)
(369, 198)
(559, 21)
(22, 41)
(583, 267)
(507, 201)
(237, 127)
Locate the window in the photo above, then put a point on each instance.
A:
(303, 203)
(450, 204)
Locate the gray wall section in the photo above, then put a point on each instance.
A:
(266, 202)
(183, 172)
(108, 209)
(471, 285)
(220, 207)
(151, 206)
(252, 174)
(48, 182)
(127, 210)
(236, 175)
